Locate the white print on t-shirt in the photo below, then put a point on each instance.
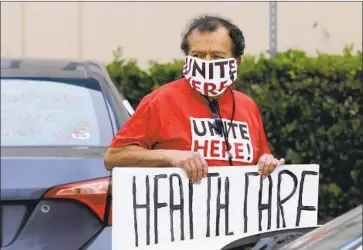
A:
(212, 146)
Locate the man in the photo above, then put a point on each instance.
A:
(199, 120)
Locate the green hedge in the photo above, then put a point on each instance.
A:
(311, 108)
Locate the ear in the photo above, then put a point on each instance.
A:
(239, 60)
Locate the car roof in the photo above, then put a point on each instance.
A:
(336, 231)
(27, 67)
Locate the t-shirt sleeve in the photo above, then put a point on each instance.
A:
(142, 128)
(264, 148)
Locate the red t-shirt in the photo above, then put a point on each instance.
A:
(175, 116)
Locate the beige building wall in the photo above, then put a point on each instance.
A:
(151, 31)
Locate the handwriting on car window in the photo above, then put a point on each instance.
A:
(30, 96)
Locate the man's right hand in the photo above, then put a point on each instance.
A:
(192, 162)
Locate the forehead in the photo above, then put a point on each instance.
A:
(215, 41)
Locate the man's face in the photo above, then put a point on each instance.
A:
(211, 45)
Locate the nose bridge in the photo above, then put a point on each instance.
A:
(208, 49)
(208, 56)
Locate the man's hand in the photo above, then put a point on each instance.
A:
(267, 164)
(192, 162)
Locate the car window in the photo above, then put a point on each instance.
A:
(336, 234)
(61, 112)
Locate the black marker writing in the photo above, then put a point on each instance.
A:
(247, 182)
(175, 207)
(209, 176)
(146, 206)
(280, 208)
(300, 206)
(224, 206)
(191, 226)
(157, 205)
(219, 191)
(267, 206)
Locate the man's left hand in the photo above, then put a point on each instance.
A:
(267, 164)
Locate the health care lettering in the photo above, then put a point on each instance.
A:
(150, 204)
(212, 146)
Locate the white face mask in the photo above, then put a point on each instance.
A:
(210, 78)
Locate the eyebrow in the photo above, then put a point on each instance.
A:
(218, 52)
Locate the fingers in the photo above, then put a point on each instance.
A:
(204, 165)
(267, 164)
(195, 171)
(261, 163)
(275, 164)
(281, 162)
(196, 168)
(201, 167)
(272, 166)
(188, 169)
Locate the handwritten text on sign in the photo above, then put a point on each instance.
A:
(160, 205)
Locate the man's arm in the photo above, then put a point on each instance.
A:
(135, 156)
(132, 144)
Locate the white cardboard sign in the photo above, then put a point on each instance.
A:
(160, 205)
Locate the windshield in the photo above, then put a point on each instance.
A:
(344, 231)
(62, 112)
